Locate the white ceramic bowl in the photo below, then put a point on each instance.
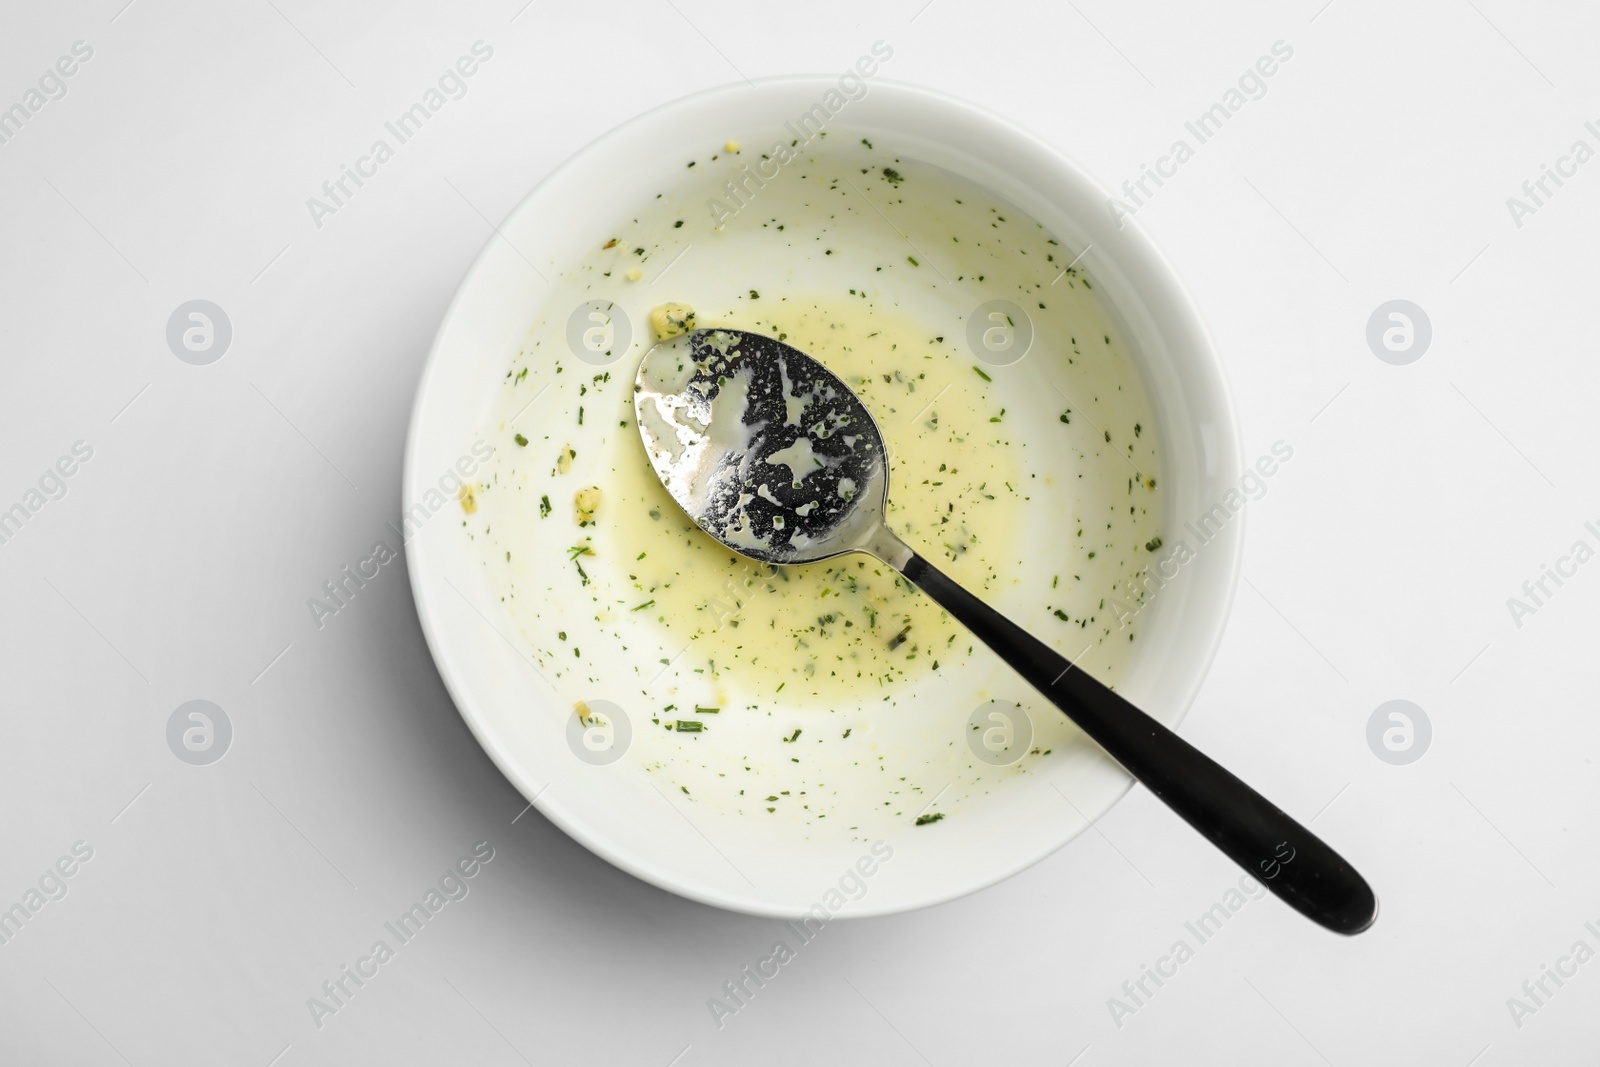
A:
(520, 721)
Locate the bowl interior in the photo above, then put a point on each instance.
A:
(520, 719)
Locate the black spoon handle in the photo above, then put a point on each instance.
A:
(1257, 835)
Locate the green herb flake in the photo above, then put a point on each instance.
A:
(573, 553)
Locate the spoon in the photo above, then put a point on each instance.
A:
(771, 453)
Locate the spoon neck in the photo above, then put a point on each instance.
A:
(884, 544)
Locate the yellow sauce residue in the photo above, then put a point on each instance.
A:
(829, 700)
(852, 623)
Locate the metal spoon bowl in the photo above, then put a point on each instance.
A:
(773, 455)
(765, 448)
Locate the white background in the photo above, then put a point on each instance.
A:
(219, 498)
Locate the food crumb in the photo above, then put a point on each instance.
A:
(731, 146)
(468, 495)
(671, 320)
(564, 460)
(633, 274)
(585, 503)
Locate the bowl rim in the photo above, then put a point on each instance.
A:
(1180, 308)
